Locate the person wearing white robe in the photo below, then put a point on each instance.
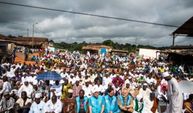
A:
(26, 87)
(88, 89)
(37, 106)
(6, 85)
(53, 105)
(174, 95)
(145, 92)
(57, 88)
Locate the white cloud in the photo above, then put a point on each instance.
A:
(54, 24)
(70, 28)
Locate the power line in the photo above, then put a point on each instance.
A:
(88, 14)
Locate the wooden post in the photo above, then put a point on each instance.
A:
(173, 43)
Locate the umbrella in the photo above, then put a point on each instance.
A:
(186, 86)
(50, 75)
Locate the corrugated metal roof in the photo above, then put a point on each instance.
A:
(185, 29)
(24, 41)
(95, 47)
(180, 52)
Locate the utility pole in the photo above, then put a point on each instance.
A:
(136, 41)
(27, 32)
(173, 41)
(33, 29)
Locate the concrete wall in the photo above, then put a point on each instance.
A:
(149, 53)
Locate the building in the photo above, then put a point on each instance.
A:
(31, 42)
(97, 48)
(149, 53)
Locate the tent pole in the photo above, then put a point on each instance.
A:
(173, 43)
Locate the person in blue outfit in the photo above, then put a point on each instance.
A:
(96, 102)
(111, 105)
(81, 103)
(125, 101)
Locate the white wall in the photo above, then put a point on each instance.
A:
(149, 53)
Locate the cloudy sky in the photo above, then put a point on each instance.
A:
(59, 26)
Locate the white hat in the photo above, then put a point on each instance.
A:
(95, 89)
(165, 74)
(127, 82)
(14, 91)
(35, 82)
(70, 91)
(87, 80)
(25, 80)
(37, 95)
(145, 84)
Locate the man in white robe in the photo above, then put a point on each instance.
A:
(37, 106)
(27, 87)
(174, 95)
(54, 105)
(145, 92)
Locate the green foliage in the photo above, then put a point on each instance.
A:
(108, 43)
(70, 46)
(78, 46)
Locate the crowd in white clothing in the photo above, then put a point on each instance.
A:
(87, 72)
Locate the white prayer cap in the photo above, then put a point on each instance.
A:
(25, 80)
(37, 95)
(165, 74)
(87, 80)
(95, 89)
(70, 91)
(127, 82)
(14, 91)
(35, 82)
(145, 84)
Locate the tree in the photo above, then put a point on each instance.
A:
(78, 46)
(108, 43)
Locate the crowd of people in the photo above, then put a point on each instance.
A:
(93, 83)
